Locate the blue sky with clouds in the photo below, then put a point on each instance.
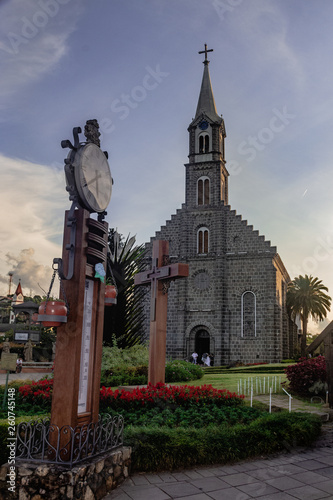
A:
(134, 65)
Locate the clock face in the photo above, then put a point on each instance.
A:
(93, 177)
(203, 125)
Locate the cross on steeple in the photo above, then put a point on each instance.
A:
(205, 52)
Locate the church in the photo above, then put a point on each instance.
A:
(233, 304)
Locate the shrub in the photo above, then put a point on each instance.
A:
(4, 450)
(115, 357)
(130, 367)
(198, 416)
(305, 373)
(161, 448)
(182, 371)
(126, 375)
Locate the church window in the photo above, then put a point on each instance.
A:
(206, 143)
(222, 189)
(248, 315)
(203, 191)
(203, 240)
(203, 143)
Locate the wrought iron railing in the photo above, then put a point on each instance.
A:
(39, 441)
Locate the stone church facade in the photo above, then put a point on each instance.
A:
(233, 304)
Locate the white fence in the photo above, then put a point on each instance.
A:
(260, 385)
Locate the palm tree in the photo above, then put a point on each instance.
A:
(306, 296)
(125, 321)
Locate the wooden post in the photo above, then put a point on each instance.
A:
(159, 277)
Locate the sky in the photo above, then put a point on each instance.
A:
(134, 66)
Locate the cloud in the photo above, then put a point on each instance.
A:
(35, 278)
(34, 39)
(33, 201)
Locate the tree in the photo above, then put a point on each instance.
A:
(306, 296)
(126, 319)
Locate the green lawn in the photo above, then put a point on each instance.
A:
(233, 379)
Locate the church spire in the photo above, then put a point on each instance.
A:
(206, 102)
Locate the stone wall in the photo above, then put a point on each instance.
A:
(88, 481)
(210, 299)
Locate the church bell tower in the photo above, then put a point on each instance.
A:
(206, 173)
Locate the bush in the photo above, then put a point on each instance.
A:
(161, 448)
(126, 375)
(4, 450)
(130, 367)
(182, 371)
(115, 357)
(305, 374)
(198, 416)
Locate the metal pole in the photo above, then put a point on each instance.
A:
(270, 400)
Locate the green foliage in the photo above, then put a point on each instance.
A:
(306, 296)
(193, 416)
(162, 448)
(4, 435)
(126, 319)
(130, 367)
(127, 375)
(182, 371)
(117, 357)
(9, 334)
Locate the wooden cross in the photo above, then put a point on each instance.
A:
(205, 52)
(159, 277)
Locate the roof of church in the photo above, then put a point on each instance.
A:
(206, 102)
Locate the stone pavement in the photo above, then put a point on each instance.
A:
(305, 474)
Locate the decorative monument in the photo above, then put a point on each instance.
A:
(76, 434)
(159, 277)
(78, 356)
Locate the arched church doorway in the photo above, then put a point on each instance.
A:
(202, 343)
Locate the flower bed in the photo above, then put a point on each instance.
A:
(161, 394)
(40, 394)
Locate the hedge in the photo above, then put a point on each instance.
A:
(157, 449)
(162, 448)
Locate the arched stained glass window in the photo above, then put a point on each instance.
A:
(248, 315)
